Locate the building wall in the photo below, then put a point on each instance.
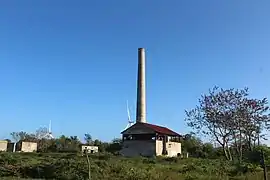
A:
(138, 148)
(91, 149)
(10, 147)
(3, 145)
(159, 148)
(173, 148)
(28, 147)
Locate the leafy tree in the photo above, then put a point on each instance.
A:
(209, 151)
(17, 136)
(115, 146)
(88, 139)
(191, 144)
(231, 118)
(47, 145)
(68, 144)
(41, 132)
(196, 148)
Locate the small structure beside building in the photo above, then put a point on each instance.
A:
(10, 146)
(6, 146)
(3, 145)
(143, 139)
(89, 149)
(25, 146)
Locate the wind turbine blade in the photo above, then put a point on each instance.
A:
(50, 126)
(135, 110)
(129, 119)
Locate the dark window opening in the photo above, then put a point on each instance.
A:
(139, 137)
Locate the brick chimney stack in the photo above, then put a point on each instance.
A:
(141, 99)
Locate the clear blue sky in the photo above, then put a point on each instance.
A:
(76, 62)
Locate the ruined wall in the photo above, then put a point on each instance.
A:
(173, 148)
(28, 147)
(90, 149)
(134, 148)
(159, 147)
(10, 147)
(3, 145)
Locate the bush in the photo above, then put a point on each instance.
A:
(109, 167)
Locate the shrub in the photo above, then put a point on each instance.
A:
(109, 167)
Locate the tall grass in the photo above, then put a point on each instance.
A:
(108, 167)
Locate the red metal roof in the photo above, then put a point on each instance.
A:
(161, 130)
(155, 128)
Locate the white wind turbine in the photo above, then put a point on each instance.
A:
(130, 121)
(49, 135)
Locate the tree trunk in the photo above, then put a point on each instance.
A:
(240, 146)
(229, 152)
(225, 152)
(250, 143)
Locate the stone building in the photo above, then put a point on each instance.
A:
(6, 146)
(25, 146)
(89, 149)
(3, 145)
(143, 139)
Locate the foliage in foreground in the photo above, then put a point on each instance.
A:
(232, 118)
(107, 167)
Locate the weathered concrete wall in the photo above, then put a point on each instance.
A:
(159, 146)
(28, 147)
(173, 148)
(90, 149)
(10, 147)
(3, 145)
(134, 148)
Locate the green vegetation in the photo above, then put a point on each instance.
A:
(233, 119)
(109, 167)
(230, 117)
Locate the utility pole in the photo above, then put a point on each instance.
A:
(265, 177)
(88, 163)
(264, 166)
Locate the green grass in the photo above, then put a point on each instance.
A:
(107, 167)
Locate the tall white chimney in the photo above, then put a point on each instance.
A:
(141, 102)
